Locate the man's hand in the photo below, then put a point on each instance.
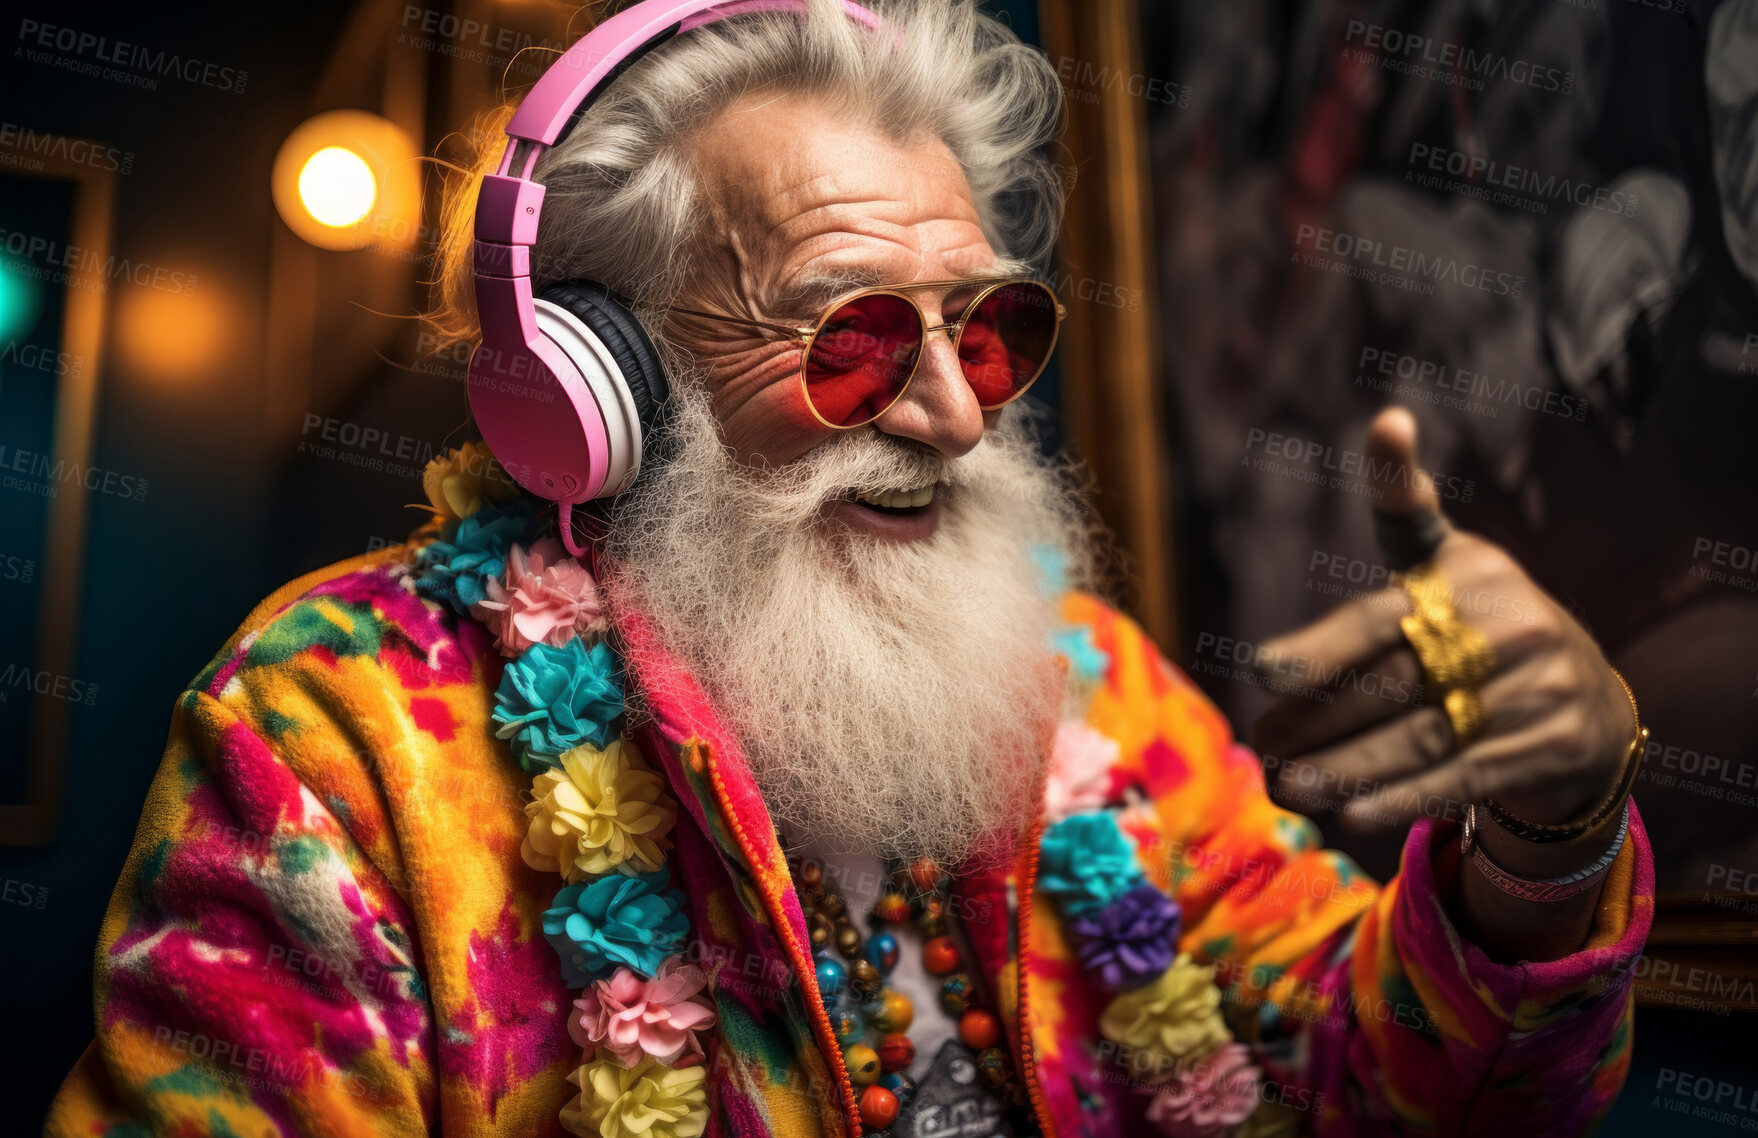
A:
(1557, 724)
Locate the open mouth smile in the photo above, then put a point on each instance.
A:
(901, 515)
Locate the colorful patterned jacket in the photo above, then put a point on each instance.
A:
(325, 926)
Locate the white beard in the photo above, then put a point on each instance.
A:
(892, 697)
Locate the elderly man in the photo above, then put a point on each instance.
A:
(820, 796)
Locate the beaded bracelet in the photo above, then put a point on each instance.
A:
(1570, 831)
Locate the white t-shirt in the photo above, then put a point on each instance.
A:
(861, 878)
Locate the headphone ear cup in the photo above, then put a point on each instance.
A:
(622, 335)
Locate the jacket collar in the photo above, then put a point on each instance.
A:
(726, 802)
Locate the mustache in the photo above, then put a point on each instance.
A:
(866, 461)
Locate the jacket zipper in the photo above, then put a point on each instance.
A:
(1027, 1065)
(814, 1000)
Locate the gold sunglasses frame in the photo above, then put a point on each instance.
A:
(807, 334)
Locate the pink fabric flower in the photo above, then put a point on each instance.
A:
(1208, 1098)
(626, 1017)
(547, 598)
(1081, 759)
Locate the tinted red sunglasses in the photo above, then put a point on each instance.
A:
(863, 351)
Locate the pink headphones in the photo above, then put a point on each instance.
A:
(565, 384)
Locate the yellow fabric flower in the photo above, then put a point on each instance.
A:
(649, 1100)
(602, 811)
(1177, 1015)
(459, 481)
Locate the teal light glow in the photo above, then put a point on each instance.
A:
(21, 299)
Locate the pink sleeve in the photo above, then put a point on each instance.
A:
(1363, 1002)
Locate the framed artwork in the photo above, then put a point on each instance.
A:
(1495, 221)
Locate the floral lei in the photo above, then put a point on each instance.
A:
(1166, 1017)
(600, 817)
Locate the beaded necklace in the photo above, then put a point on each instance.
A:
(871, 1020)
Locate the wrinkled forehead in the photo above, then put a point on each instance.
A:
(820, 200)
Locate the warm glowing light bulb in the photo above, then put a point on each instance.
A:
(337, 187)
(348, 179)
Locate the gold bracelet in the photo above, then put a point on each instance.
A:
(1570, 831)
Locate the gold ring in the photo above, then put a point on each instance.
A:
(1456, 658)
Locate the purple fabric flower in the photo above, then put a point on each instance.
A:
(1130, 941)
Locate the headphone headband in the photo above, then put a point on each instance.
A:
(597, 58)
(529, 391)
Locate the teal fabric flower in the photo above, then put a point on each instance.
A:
(597, 926)
(456, 567)
(1089, 661)
(1086, 861)
(553, 699)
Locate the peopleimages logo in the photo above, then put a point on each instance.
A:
(1398, 264)
(1501, 184)
(1370, 577)
(1411, 377)
(1344, 469)
(36, 358)
(23, 677)
(1727, 1097)
(22, 146)
(1724, 563)
(129, 62)
(15, 568)
(25, 465)
(474, 41)
(1102, 293)
(24, 893)
(367, 447)
(1446, 62)
(60, 263)
(1093, 78)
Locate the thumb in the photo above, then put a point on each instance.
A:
(1407, 521)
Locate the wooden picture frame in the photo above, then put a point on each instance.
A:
(1110, 353)
(33, 821)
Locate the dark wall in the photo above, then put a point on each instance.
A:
(167, 575)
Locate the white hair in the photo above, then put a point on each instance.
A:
(622, 201)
